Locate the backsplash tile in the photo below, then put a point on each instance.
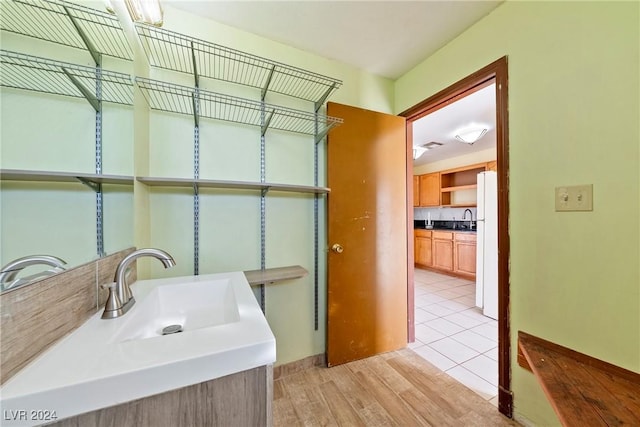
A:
(442, 214)
(36, 316)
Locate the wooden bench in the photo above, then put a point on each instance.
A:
(583, 391)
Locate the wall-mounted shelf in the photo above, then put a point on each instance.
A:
(459, 188)
(32, 73)
(67, 24)
(169, 97)
(178, 52)
(48, 176)
(241, 185)
(273, 275)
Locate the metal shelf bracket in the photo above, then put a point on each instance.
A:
(320, 102)
(265, 125)
(268, 82)
(97, 57)
(89, 96)
(95, 186)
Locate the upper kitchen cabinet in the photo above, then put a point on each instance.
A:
(458, 186)
(416, 191)
(430, 189)
(492, 166)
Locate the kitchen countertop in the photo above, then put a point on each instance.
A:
(457, 230)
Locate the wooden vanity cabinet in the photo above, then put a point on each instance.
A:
(464, 260)
(430, 189)
(423, 248)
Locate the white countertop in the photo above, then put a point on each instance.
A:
(87, 370)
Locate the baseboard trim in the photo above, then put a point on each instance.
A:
(299, 365)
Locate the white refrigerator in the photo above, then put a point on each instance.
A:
(487, 244)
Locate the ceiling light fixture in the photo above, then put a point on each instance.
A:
(146, 11)
(471, 135)
(418, 151)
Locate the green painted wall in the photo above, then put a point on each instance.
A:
(573, 118)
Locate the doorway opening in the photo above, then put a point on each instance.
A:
(493, 74)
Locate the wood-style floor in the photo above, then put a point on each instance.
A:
(393, 389)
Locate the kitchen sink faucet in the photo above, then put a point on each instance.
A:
(464, 215)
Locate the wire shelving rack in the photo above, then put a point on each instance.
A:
(66, 24)
(177, 52)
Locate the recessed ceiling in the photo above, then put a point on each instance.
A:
(477, 110)
(386, 38)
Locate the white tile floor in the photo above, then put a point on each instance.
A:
(452, 334)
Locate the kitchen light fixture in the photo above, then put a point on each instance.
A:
(146, 11)
(418, 151)
(469, 136)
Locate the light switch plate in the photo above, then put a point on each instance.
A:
(574, 198)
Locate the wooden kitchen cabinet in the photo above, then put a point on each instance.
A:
(492, 166)
(423, 248)
(464, 259)
(443, 250)
(430, 189)
(416, 191)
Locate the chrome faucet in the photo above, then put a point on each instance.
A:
(464, 216)
(9, 272)
(120, 297)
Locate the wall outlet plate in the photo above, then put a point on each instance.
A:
(574, 198)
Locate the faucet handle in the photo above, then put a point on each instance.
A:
(113, 305)
(110, 285)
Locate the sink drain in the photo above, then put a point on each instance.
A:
(172, 329)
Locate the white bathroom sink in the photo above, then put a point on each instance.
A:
(107, 362)
(191, 306)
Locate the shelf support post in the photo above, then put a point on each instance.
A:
(264, 124)
(196, 176)
(316, 225)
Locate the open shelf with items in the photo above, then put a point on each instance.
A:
(67, 24)
(177, 52)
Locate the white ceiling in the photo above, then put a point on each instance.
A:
(386, 38)
(477, 110)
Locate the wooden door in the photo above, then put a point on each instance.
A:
(367, 227)
(430, 189)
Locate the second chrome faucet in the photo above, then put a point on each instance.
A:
(120, 297)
